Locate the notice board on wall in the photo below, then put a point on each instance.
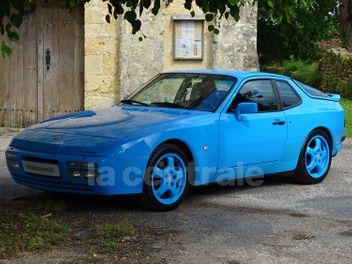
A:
(188, 37)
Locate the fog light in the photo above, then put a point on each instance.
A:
(91, 174)
(82, 174)
(12, 164)
(76, 174)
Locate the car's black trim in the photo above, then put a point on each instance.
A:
(277, 94)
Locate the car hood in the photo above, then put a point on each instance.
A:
(116, 122)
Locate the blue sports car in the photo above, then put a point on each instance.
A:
(184, 128)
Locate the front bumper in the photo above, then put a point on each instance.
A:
(123, 176)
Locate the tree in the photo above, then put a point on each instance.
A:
(346, 22)
(297, 38)
(12, 11)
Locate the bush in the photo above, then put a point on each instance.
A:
(336, 69)
(306, 72)
(303, 71)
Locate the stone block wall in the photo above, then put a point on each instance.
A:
(139, 61)
(128, 62)
(235, 48)
(101, 57)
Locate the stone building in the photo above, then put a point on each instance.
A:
(66, 62)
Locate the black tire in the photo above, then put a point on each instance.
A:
(302, 176)
(148, 199)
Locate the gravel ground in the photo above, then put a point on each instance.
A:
(278, 222)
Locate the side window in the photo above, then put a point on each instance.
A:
(260, 92)
(288, 96)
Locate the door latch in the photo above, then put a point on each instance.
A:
(47, 59)
(279, 123)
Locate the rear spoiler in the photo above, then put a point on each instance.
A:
(334, 97)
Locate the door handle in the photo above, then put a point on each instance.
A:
(47, 59)
(279, 123)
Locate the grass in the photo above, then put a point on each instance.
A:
(108, 231)
(110, 245)
(42, 225)
(347, 104)
(27, 231)
(52, 206)
(111, 234)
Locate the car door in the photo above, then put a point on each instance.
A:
(259, 137)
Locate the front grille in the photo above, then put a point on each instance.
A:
(51, 184)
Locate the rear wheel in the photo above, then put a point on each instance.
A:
(166, 178)
(315, 158)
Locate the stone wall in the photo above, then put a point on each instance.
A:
(131, 62)
(101, 57)
(140, 60)
(235, 47)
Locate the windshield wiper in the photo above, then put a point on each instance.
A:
(168, 104)
(131, 102)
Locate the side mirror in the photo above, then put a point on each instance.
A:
(245, 108)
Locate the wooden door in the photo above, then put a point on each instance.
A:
(44, 77)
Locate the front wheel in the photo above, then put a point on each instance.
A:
(315, 159)
(166, 178)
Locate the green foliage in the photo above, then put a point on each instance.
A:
(304, 71)
(12, 12)
(336, 69)
(11, 17)
(347, 104)
(297, 37)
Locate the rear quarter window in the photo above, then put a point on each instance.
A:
(311, 91)
(288, 95)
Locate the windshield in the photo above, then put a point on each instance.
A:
(190, 91)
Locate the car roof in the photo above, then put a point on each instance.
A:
(236, 74)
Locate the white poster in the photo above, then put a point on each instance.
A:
(183, 48)
(188, 30)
